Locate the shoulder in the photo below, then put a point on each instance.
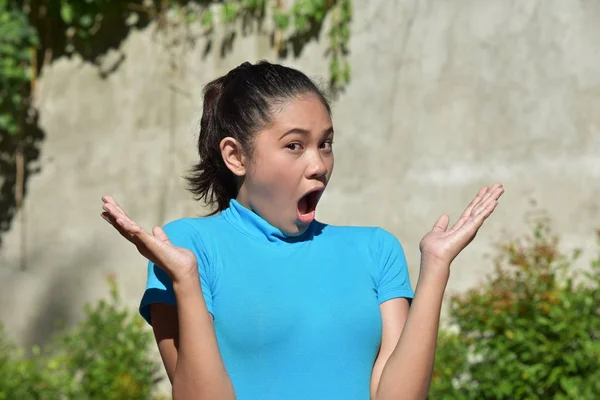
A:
(196, 234)
(387, 260)
(194, 226)
(375, 237)
(379, 242)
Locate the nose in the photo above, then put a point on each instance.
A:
(317, 167)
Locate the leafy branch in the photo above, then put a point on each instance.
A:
(33, 33)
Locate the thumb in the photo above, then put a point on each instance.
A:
(441, 224)
(160, 234)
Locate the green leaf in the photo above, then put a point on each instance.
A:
(207, 19)
(230, 12)
(86, 20)
(281, 19)
(66, 13)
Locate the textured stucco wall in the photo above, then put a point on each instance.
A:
(446, 96)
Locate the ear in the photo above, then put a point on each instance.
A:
(233, 156)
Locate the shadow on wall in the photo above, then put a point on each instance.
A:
(56, 293)
(18, 156)
(57, 307)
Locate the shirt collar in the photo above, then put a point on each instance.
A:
(254, 225)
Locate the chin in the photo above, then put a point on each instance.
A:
(297, 229)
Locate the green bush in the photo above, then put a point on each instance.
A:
(531, 331)
(450, 365)
(110, 352)
(107, 356)
(29, 378)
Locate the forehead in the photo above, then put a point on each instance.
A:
(307, 112)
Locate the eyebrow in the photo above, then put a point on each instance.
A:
(301, 131)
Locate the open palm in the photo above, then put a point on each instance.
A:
(443, 243)
(177, 262)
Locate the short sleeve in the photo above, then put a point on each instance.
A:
(394, 280)
(159, 287)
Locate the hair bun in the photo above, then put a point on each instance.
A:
(237, 72)
(244, 65)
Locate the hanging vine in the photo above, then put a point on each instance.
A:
(19, 135)
(33, 33)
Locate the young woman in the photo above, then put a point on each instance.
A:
(260, 301)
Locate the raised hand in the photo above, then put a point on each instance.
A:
(443, 244)
(177, 262)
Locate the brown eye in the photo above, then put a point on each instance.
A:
(327, 145)
(293, 146)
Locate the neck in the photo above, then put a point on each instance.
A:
(254, 224)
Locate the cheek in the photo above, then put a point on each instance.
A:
(272, 176)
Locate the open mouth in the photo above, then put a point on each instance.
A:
(307, 206)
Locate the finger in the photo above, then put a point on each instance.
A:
(498, 191)
(108, 218)
(111, 216)
(469, 209)
(491, 198)
(112, 221)
(441, 224)
(487, 210)
(493, 193)
(476, 200)
(130, 227)
(160, 234)
(113, 211)
(473, 224)
(112, 201)
(116, 213)
(104, 216)
(137, 235)
(149, 245)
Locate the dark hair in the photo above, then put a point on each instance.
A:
(238, 105)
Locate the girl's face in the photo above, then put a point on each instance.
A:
(291, 165)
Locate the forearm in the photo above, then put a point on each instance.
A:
(200, 372)
(407, 373)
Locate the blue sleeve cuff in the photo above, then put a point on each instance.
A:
(151, 296)
(395, 294)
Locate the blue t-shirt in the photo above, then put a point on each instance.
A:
(295, 317)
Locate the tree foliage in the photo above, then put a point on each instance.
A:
(33, 33)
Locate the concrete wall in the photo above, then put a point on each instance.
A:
(446, 96)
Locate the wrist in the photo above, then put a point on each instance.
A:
(434, 268)
(186, 283)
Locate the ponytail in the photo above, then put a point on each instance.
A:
(210, 180)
